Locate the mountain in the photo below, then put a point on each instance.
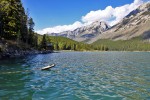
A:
(135, 24)
(85, 32)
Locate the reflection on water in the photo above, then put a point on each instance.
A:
(77, 76)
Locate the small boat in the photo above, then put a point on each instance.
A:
(48, 67)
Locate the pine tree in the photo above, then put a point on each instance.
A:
(44, 42)
(12, 19)
(31, 32)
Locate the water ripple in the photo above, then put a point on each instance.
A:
(78, 76)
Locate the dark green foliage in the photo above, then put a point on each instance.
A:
(32, 36)
(45, 43)
(15, 24)
(11, 18)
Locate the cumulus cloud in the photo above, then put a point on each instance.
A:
(110, 15)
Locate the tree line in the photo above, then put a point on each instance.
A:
(133, 44)
(63, 43)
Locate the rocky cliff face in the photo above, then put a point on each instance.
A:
(136, 23)
(90, 31)
(84, 33)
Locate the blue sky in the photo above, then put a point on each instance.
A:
(51, 13)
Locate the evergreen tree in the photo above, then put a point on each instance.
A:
(23, 27)
(15, 24)
(31, 34)
(44, 42)
(10, 18)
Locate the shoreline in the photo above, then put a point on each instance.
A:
(97, 51)
(22, 53)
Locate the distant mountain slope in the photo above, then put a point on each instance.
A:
(136, 23)
(84, 33)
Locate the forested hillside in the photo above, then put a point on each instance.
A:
(62, 43)
(135, 44)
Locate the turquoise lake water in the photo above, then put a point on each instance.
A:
(77, 76)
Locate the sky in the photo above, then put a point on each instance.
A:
(62, 15)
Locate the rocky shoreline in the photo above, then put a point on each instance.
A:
(21, 53)
(9, 50)
(17, 53)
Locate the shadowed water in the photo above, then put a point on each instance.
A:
(77, 76)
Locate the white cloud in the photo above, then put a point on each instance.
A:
(98, 15)
(109, 14)
(61, 28)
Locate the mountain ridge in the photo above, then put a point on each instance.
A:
(85, 32)
(135, 24)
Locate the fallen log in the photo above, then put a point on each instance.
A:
(48, 67)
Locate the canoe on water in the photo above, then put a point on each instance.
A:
(48, 67)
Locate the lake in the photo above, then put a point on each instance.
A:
(77, 76)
